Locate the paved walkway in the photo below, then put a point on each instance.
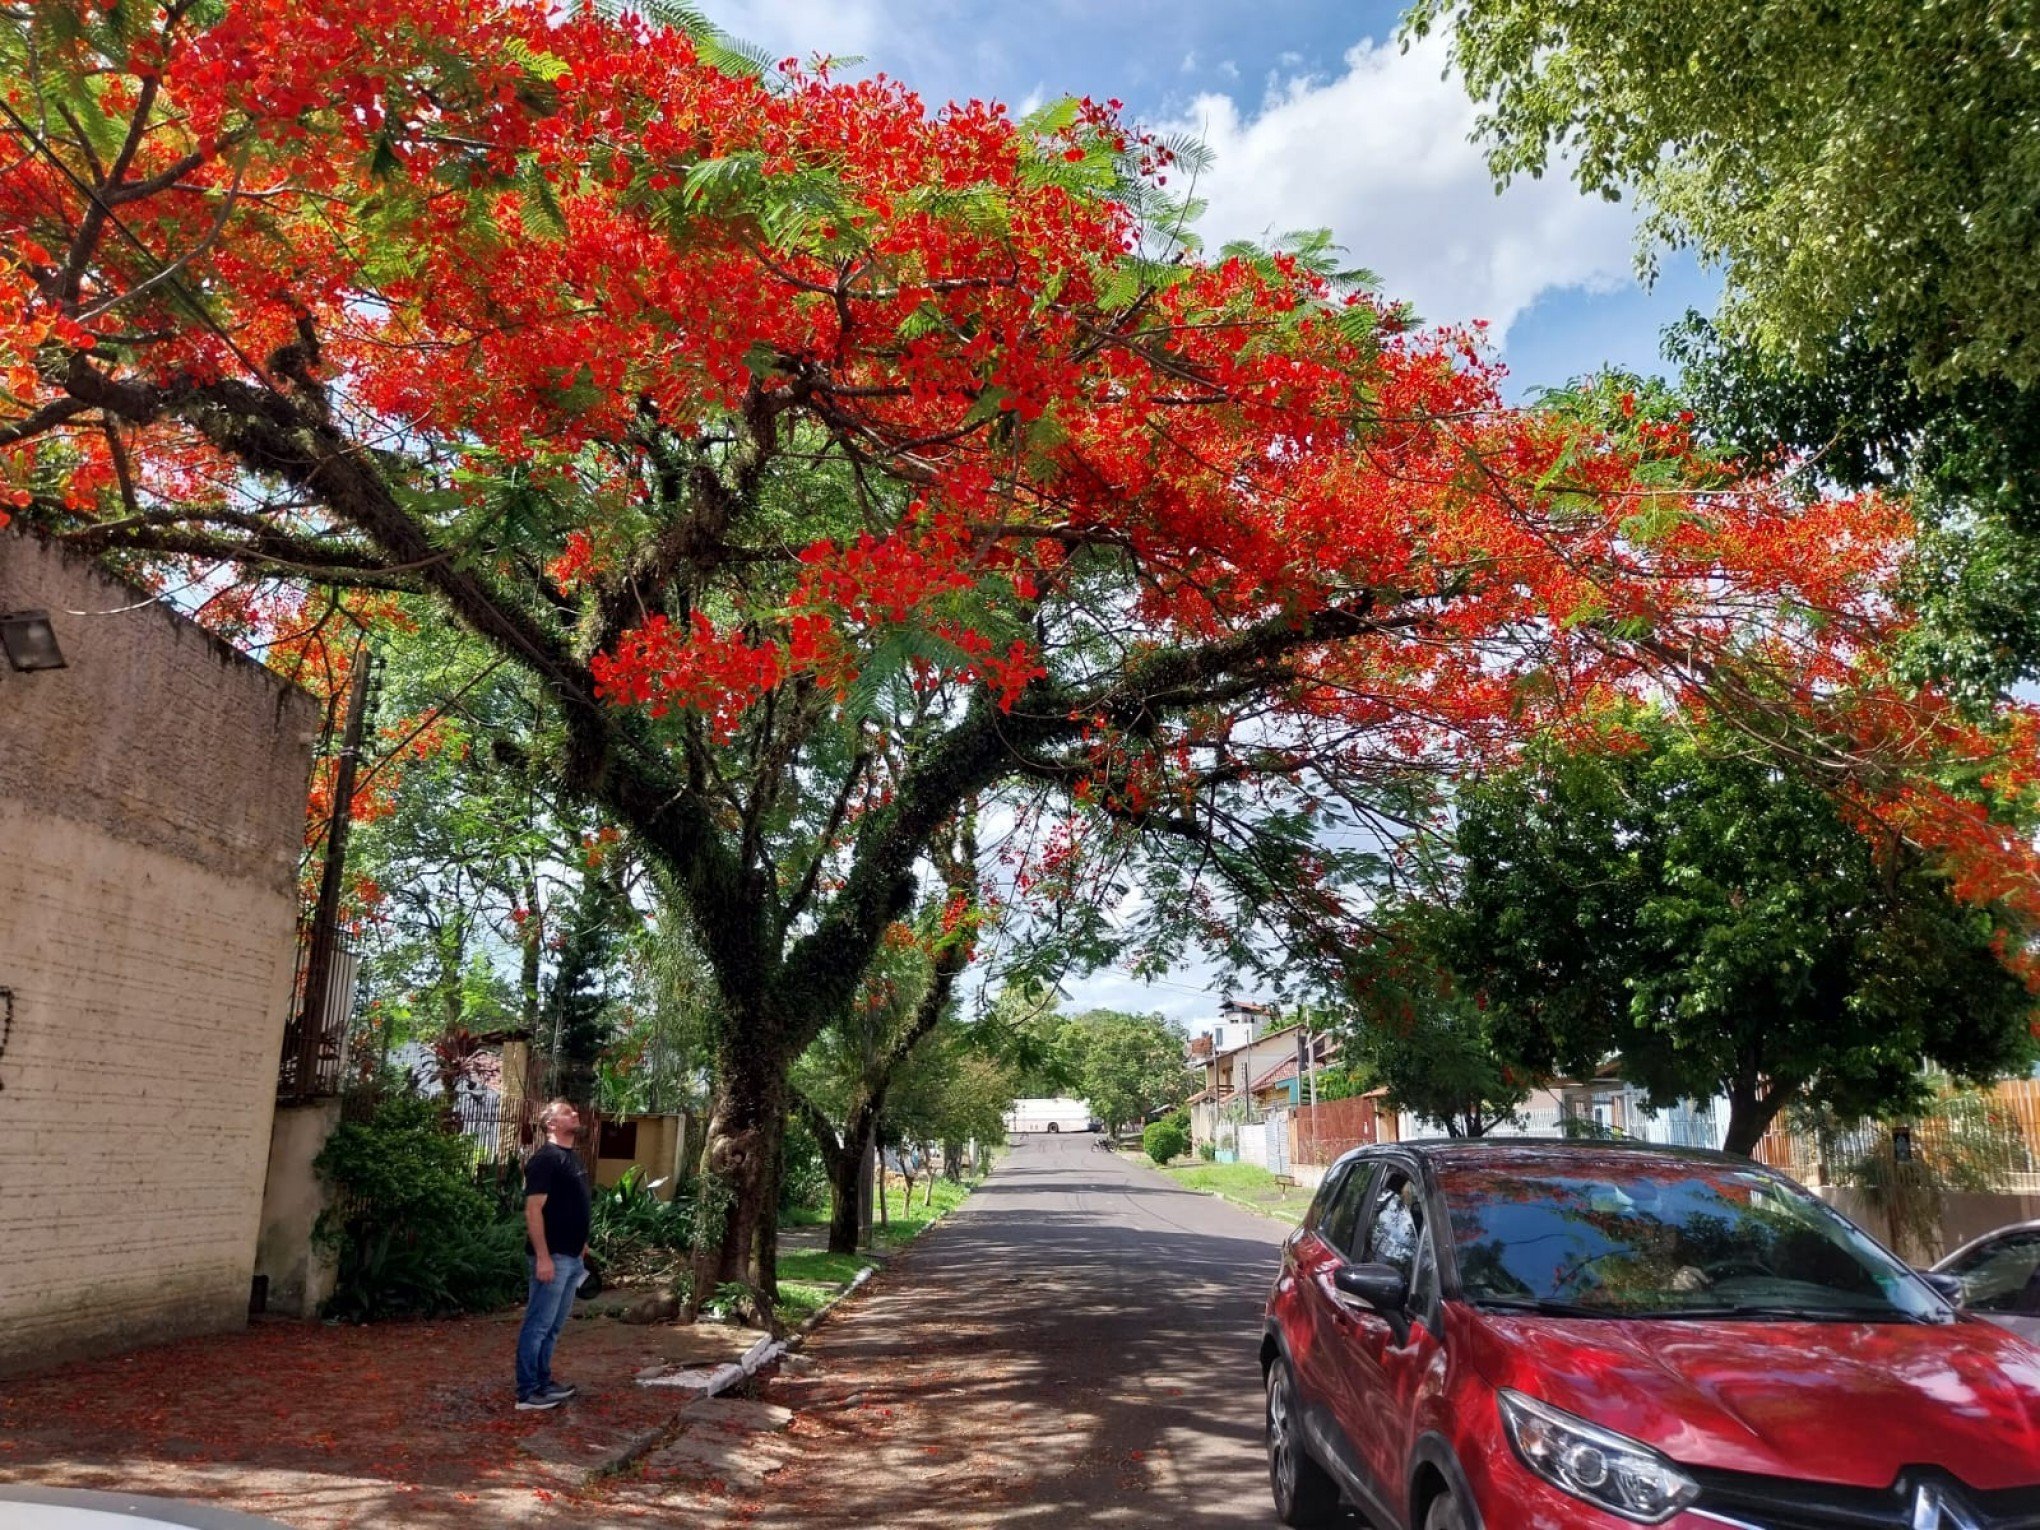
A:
(1076, 1345)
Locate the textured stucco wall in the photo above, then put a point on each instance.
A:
(151, 810)
(300, 1272)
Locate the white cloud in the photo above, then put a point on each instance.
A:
(1381, 155)
(1189, 64)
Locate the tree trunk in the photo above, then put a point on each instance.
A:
(739, 1193)
(864, 1206)
(846, 1179)
(1750, 1114)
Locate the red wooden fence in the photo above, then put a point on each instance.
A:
(1318, 1134)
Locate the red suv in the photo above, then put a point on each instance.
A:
(1529, 1335)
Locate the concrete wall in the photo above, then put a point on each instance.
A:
(1965, 1216)
(660, 1140)
(300, 1275)
(152, 801)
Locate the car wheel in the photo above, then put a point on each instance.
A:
(1445, 1514)
(1304, 1494)
(1053, 1127)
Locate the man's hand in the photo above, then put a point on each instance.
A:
(545, 1269)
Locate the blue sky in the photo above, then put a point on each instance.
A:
(1318, 118)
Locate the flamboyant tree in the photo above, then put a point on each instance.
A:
(830, 464)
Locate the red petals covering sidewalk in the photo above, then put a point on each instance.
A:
(322, 1426)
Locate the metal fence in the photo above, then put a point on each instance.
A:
(495, 1135)
(310, 1068)
(2001, 1133)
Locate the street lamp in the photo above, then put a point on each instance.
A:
(30, 641)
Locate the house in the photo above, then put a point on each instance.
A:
(1286, 1084)
(1231, 1075)
(152, 812)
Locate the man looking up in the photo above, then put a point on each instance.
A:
(556, 1231)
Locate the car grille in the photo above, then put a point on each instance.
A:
(1784, 1503)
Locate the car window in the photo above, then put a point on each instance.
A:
(2003, 1275)
(1342, 1218)
(1643, 1235)
(1395, 1224)
(1327, 1192)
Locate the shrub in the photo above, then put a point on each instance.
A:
(1165, 1140)
(413, 1233)
(803, 1177)
(632, 1232)
(1208, 1151)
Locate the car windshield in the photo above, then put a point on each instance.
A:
(1642, 1236)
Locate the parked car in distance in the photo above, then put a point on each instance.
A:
(1547, 1335)
(2000, 1278)
(1052, 1115)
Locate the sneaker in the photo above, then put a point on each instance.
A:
(538, 1400)
(559, 1391)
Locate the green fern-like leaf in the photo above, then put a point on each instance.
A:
(541, 213)
(540, 66)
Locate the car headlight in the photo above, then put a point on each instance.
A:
(1608, 1470)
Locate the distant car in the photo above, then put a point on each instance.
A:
(37, 1508)
(1550, 1335)
(2000, 1278)
(1050, 1115)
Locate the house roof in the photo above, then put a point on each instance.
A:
(1261, 1040)
(1323, 1046)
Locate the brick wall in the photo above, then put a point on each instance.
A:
(151, 812)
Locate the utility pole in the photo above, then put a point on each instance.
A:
(326, 918)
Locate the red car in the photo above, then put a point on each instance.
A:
(1531, 1335)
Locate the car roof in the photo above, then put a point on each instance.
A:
(2009, 1229)
(1554, 1150)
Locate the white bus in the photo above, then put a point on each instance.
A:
(1059, 1115)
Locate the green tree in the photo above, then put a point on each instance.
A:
(1717, 923)
(843, 1081)
(1131, 1064)
(955, 1088)
(1415, 1030)
(486, 902)
(1864, 166)
(1862, 172)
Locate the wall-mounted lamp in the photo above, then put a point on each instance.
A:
(30, 641)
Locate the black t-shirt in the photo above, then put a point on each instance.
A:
(555, 1173)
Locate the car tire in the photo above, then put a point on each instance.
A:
(1445, 1513)
(1053, 1127)
(1304, 1492)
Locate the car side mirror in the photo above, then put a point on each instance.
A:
(1948, 1287)
(1380, 1286)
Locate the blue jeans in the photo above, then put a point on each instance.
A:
(546, 1311)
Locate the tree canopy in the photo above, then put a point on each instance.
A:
(1862, 174)
(825, 464)
(1717, 923)
(1861, 167)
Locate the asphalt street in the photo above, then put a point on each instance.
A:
(1077, 1344)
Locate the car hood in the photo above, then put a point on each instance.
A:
(1848, 1403)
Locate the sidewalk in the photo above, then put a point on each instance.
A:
(321, 1426)
(327, 1427)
